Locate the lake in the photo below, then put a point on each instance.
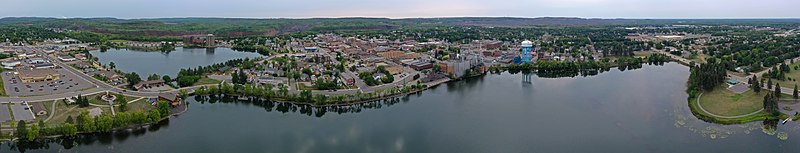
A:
(641, 110)
(145, 63)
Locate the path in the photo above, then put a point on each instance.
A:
(52, 111)
(720, 116)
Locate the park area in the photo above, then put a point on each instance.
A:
(791, 77)
(724, 102)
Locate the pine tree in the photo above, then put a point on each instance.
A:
(795, 94)
(769, 83)
(777, 90)
(756, 85)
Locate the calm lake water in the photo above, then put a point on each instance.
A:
(146, 63)
(642, 110)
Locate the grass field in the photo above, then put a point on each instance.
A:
(206, 80)
(723, 102)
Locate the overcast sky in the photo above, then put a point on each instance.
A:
(403, 8)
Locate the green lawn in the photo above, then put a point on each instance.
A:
(2, 85)
(139, 105)
(3, 89)
(722, 101)
(206, 80)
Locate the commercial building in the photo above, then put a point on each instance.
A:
(37, 75)
(149, 84)
(11, 64)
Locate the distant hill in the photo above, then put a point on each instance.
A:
(248, 27)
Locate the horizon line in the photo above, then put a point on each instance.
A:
(401, 18)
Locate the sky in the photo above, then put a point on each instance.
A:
(655, 9)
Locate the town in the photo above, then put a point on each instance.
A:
(59, 80)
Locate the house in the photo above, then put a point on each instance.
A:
(172, 98)
(109, 75)
(149, 84)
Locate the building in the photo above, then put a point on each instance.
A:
(493, 45)
(526, 54)
(172, 98)
(44, 66)
(37, 75)
(66, 58)
(11, 64)
(149, 84)
(207, 41)
(36, 61)
(420, 65)
(109, 75)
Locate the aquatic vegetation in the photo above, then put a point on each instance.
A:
(783, 135)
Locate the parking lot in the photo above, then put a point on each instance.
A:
(5, 115)
(68, 82)
(21, 111)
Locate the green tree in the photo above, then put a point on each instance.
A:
(166, 78)
(163, 108)
(69, 129)
(122, 101)
(133, 79)
(756, 85)
(112, 65)
(33, 134)
(104, 123)
(153, 77)
(22, 130)
(769, 83)
(154, 116)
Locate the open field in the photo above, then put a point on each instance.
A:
(724, 102)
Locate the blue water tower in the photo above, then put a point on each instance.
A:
(527, 51)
